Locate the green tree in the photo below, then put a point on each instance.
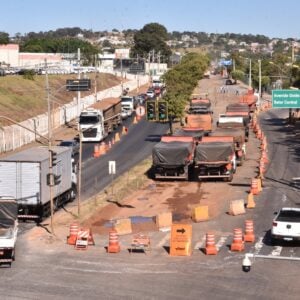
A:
(237, 75)
(4, 38)
(152, 36)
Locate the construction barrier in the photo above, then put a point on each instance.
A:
(210, 247)
(200, 213)
(71, 239)
(250, 201)
(113, 242)
(164, 221)
(237, 243)
(181, 240)
(84, 238)
(237, 207)
(140, 242)
(249, 231)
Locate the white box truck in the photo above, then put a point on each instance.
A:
(24, 176)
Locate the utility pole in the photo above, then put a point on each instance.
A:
(121, 74)
(96, 77)
(259, 81)
(78, 93)
(158, 62)
(49, 146)
(250, 73)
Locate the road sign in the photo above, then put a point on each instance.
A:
(181, 240)
(286, 98)
(77, 85)
(140, 111)
(111, 167)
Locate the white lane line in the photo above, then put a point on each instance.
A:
(163, 241)
(276, 251)
(221, 242)
(200, 244)
(258, 245)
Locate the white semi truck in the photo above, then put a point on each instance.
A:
(97, 121)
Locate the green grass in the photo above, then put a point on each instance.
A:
(21, 98)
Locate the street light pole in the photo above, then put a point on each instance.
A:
(259, 76)
(49, 146)
(250, 73)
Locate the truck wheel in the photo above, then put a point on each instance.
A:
(73, 193)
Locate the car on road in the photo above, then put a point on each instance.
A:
(150, 93)
(230, 82)
(73, 144)
(286, 225)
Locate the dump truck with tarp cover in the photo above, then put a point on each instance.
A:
(234, 122)
(203, 121)
(8, 229)
(200, 106)
(249, 99)
(214, 160)
(172, 157)
(238, 136)
(196, 133)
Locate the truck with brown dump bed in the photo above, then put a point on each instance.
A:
(172, 157)
(203, 121)
(215, 159)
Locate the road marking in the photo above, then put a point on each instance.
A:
(276, 252)
(258, 245)
(200, 244)
(163, 241)
(221, 242)
(284, 198)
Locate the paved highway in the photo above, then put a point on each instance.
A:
(60, 272)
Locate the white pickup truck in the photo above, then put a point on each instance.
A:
(286, 225)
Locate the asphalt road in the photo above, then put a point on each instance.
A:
(133, 147)
(60, 272)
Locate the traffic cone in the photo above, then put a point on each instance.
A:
(134, 120)
(250, 201)
(113, 140)
(109, 145)
(113, 243)
(102, 148)
(264, 157)
(71, 239)
(117, 137)
(124, 130)
(237, 244)
(254, 187)
(210, 248)
(259, 184)
(249, 231)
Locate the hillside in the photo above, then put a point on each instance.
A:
(22, 98)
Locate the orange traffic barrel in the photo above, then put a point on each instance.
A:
(249, 231)
(74, 228)
(97, 150)
(237, 243)
(210, 248)
(113, 242)
(264, 157)
(254, 186)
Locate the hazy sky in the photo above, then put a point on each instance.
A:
(273, 18)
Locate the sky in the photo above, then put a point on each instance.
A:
(273, 18)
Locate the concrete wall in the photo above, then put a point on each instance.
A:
(15, 136)
(9, 54)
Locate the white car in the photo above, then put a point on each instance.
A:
(150, 94)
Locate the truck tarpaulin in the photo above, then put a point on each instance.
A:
(213, 152)
(173, 153)
(194, 132)
(238, 134)
(8, 212)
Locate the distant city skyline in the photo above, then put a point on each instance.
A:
(270, 18)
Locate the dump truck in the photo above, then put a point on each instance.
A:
(238, 136)
(249, 99)
(234, 122)
(203, 121)
(200, 106)
(172, 157)
(8, 229)
(26, 177)
(195, 132)
(100, 119)
(214, 160)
